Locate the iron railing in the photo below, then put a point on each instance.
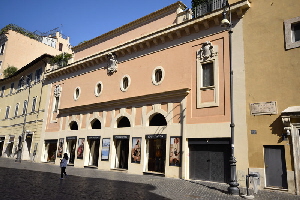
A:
(207, 7)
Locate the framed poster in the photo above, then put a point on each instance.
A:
(175, 151)
(60, 147)
(105, 149)
(80, 148)
(136, 150)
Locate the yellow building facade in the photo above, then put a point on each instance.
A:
(22, 110)
(271, 37)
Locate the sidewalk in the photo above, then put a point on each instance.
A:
(28, 180)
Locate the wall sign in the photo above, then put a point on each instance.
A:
(263, 108)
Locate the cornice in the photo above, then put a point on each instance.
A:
(137, 22)
(155, 38)
(131, 100)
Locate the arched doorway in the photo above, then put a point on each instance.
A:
(156, 145)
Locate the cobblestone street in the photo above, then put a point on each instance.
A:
(29, 180)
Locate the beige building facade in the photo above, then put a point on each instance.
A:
(152, 97)
(28, 46)
(22, 110)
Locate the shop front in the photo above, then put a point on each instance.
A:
(94, 146)
(122, 151)
(10, 146)
(71, 148)
(156, 152)
(50, 150)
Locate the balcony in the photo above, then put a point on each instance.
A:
(207, 6)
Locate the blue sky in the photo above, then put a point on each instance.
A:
(80, 20)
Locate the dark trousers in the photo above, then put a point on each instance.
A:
(63, 171)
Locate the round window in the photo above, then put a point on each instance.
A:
(98, 89)
(76, 93)
(125, 83)
(158, 75)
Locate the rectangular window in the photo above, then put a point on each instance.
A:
(33, 104)
(292, 33)
(2, 91)
(29, 79)
(296, 32)
(38, 74)
(25, 107)
(20, 83)
(2, 48)
(60, 46)
(56, 104)
(208, 75)
(7, 112)
(12, 85)
(16, 110)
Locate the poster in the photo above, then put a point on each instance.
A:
(105, 149)
(136, 150)
(175, 151)
(80, 148)
(60, 147)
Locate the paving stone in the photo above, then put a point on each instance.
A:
(28, 180)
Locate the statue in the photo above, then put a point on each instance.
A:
(112, 64)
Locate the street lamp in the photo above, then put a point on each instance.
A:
(233, 184)
(21, 137)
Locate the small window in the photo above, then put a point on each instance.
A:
(125, 83)
(33, 104)
(16, 110)
(38, 74)
(29, 79)
(56, 104)
(296, 32)
(158, 75)
(2, 48)
(20, 83)
(292, 33)
(207, 75)
(73, 125)
(12, 85)
(76, 93)
(25, 107)
(7, 112)
(98, 89)
(60, 46)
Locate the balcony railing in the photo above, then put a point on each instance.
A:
(207, 7)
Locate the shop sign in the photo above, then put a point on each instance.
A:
(71, 138)
(29, 136)
(121, 137)
(11, 138)
(156, 136)
(93, 137)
